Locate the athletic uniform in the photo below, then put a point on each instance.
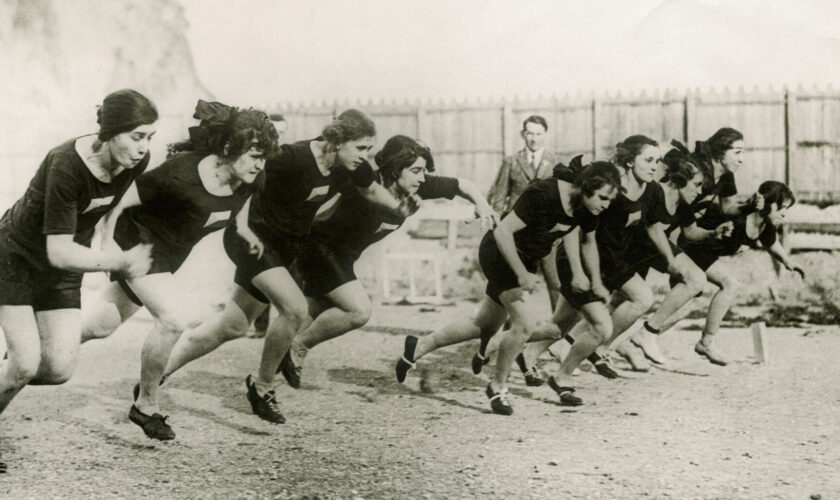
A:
(617, 234)
(707, 206)
(706, 252)
(642, 253)
(283, 207)
(176, 212)
(541, 209)
(64, 197)
(353, 224)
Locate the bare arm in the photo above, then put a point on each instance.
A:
(64, 253)
(483, 211)
(131, 198)
(507, 246)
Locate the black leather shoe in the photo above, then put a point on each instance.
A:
(153, 425)
(499, 401)
(567, 397)
(266, 407)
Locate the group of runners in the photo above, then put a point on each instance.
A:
(297, 216)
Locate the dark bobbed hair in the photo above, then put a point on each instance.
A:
(123, 111)
(351, 125)
(399, 153)
(775, 193)
(539, 120)
(588, 179)
(224, 127)
(715, 147)
(680, 167)
(628, 149)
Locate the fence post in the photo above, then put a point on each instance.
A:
(507, 118)
(421, 124)
(688, 117)
(790, 138)
(596, 108)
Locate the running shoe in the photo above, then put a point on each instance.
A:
(266, 407)
(710, 352)
(406, 362)
(648, 343)
(567, 397)
(604, 368)
(499, 401)
(292, 364)
(154, 425)
(532, 374)
(478, 361)
(634, 356)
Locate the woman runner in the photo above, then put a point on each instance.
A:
(192, 194)
(338, 301)
(45, 241)
(548, 210)
(719, 156)
(637, 216)
(756, 230)
(267, 234)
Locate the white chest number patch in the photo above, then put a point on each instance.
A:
(560, 227)
(386, 227)
(318, 192)
(217, 217)
(98, 203)
(633, 218)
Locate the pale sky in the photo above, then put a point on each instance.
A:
(302, 51)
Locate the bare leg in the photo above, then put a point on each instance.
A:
(487, 320)
(105, 313)
(23, 345)
(277, 284)
(351, 310)
(230, 323)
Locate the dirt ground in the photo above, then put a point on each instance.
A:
(695, 431)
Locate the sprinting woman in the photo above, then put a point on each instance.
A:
(756, 230)
(192, 194)
(337, 300)
(719, 156)
(45, 241)
(267, 234)
(636, 216)
(548, 210)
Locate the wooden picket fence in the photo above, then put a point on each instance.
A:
(791, 135)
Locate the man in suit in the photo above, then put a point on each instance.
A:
(529, 163)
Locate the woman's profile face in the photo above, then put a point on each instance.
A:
(646, 163)
(693, 188)
(412, 176)
(600, 199)
(351, 154)
(734, 156)
(247, 166)
(129, 148)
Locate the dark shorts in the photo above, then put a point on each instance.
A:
(644, 256)
(279, 252)
(22, 284)
(500, 277)
(322, 268)
(564, 272)
(615, 268)
(166, 257)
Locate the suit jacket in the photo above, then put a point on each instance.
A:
(514, 176)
